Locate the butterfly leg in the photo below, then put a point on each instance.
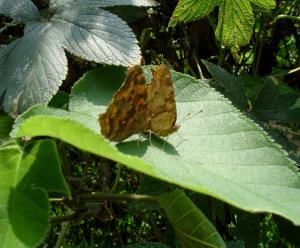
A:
(150, 138)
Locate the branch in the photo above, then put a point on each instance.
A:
(100, 196)
(294, 18)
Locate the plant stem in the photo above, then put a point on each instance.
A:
(221, 56)
(198, 65)
(120, 166)
(260, 49)
(294, 18)
(64, 159)
(64, 218)
(64, 229)
(100, 196)
(56, 199)
(7, 25)
(159, 236)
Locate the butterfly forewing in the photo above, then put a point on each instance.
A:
(126, 113)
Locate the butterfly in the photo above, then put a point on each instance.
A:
(138, 107)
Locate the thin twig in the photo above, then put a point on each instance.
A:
(159, 236)
(289, 17)
(64, 218)
(64, 229)
(100, 196)
(221, 56)
(117, 179)
(7, 25)
(198, 65)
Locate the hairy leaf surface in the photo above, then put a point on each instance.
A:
(216, 151)
(32, 68)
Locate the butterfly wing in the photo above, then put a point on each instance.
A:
(161, 101)
(127, 112)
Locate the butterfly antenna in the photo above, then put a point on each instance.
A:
(189, 116)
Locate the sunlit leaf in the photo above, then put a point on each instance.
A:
(235, 20)
(216, 151)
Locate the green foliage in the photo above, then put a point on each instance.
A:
(235, 19)
(288, 231)
(60, 100)
(5, 125)
(246, 227)
(223, 145)
(271, 105)
(191, 226)
(34, 66)
(287, 53)
(226, 162)
(26, 176)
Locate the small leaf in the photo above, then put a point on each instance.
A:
(191, 226)
(25, 177)
(235, 21)
(191, 10)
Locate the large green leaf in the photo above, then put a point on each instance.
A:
(235, 19)
(33, 67)
(26, 176)
(216, 151)
(191, 226)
